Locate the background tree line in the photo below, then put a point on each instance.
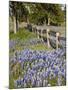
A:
(36, 13)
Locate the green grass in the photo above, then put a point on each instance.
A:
(40, 47)
(11, 82)
(22, 34)
(14, 75)
(53, 81)
(25, 35)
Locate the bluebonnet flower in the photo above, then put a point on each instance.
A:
(44, 64)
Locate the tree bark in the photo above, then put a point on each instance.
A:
(14, 21)
(27, 20)
(48, 20)
(17, 24)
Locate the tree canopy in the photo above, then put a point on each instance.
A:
(37, 13)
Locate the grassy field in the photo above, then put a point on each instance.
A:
(22, 34)
(25, 35)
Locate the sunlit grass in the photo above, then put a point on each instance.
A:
(42, 46)
(22, 34)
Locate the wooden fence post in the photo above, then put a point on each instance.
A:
(57, 42)
(48, 43)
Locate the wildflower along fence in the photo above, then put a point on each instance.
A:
(37, 68)
(50, 36)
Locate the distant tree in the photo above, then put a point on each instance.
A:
(36, 13)
(17, 11)
(46, 12)
(54, 12)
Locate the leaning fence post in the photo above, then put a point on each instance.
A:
(48, 43)
(57, 42)
(32, 29)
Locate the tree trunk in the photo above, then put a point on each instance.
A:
(48, 20)
(14, 21)
(17, 23)
(27, 20)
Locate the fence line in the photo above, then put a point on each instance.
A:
(41, 34)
